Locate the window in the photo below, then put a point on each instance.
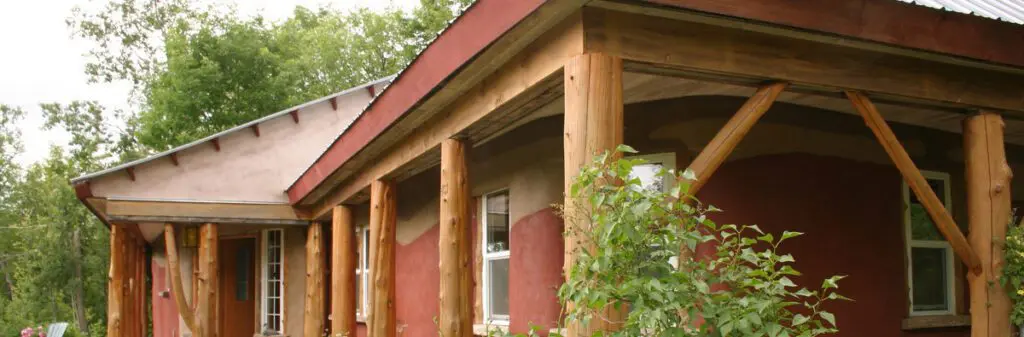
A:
(362, 270)
(930, 257)
(496, 257)
(649, 178)
(648, 172)
(273, 282)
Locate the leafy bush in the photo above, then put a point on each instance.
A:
(1013, 270)
(628, 237)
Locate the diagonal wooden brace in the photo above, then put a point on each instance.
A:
(177, 289)
(936, 210)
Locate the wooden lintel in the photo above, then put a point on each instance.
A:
(216, 144)
(912, 175)
(334, 103)
(295, 116)
(255, 130)
(177, 288)
(131, 172)
(174, 158)
(725, 141)
(731, 51)
(145, 208)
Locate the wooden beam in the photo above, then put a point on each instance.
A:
(314, 304)
(936, 210)
(669, 43)
(295, 116)
(181, 210)
(255, 130)
(988, 214)
(174, 158)
(343, 273)
(216, 144)
(131, 172)
(115, 282)
(382, 249)
(515, 85)
(725, 141)
(593, 125)
(334, 102)
(456, 315)
(177, 287)
(206, 300)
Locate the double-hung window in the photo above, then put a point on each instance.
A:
(496, 252)
(362, 270)
(650, 179)
(273, 282)
(930, 257)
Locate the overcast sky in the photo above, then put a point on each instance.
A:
(40, 62)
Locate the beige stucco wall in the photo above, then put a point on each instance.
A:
(247, 168)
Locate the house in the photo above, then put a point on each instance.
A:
(886, 131)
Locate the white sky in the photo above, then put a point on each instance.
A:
(40, 62)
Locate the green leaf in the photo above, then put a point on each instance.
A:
(828, 317)
(625, 149)
(799, 319)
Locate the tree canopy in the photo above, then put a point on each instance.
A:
(195, 70)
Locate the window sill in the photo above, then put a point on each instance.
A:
(938, 321)
(484, 329)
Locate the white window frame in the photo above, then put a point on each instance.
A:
(363, 271)
(487, 257)
(668, 162)
(910, 243)
(265, 279)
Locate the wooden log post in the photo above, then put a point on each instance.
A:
(456, 308)
(593, 125)
(115, 282)
(313, 313)
(343, 273)
(207, 290)
(988, 209)
(382, 249)
(177, 287)
(935, 208)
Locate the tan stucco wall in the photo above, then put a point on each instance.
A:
(247, 168)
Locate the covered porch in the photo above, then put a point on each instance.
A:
(895, 156)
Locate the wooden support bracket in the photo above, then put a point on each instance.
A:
(255, 130)
(912, 175)
(714, 154)
(334, 103)
(216, 144)
(295, 115)
(131, 172)
(174, 158)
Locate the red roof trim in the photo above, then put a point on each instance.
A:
(886, 21)
(481, 24)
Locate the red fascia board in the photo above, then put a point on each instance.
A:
(885, 21)
(481, 24)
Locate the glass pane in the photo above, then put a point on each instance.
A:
(359, 293)
(648, 175)
(929, 278)
(243, 261)
(499, 287)
(921, 225)
(497, 222)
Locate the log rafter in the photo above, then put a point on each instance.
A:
(918, 184)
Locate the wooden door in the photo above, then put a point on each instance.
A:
(237, 309)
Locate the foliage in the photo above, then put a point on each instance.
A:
(201, 70)
(1013, 270)
(627, 239)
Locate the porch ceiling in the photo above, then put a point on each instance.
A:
(642, 87)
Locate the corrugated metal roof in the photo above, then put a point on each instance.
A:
(1003, 10)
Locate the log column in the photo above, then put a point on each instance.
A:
(988, 211)
(343, 273)
(456, 316)
(205, 302)
(313, 313)
(593, 124)
(115, 282)
(382, 263)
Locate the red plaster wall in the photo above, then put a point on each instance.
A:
(851, 215)
(535, 271)
(165, 312)
(417, 285)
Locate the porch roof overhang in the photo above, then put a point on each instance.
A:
(489, 32)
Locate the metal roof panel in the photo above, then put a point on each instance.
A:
(1003, 10)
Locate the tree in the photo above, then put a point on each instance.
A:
(629, 237)
(199, 71)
